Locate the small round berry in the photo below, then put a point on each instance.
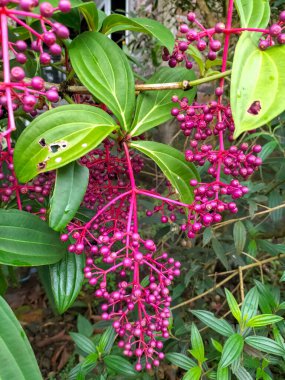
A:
(220, 27)
(17, 73)
(191, 16)
(201, 45)
(215, 45)
(52, 96)
(184, 28)
(64, 6)
(281, 39)
(282, 16)
(46, 9)
(275, 30)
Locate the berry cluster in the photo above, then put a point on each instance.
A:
(275, 34)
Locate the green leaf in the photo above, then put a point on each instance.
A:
(250, 304)
(233, 305)
(83, 343)
(26, 240)
(282, 279)
(253, 13)
(90, 13)
(241, 373)
(120, 365)
(58, 137)
(154, 107)
(266, 345)
(173, 165)
(219, 325)
(220, 252)
(115, 23)
(217, 345)
(193, 374)
(84, 326)
(239, 234)
(248, 84)
(104, 69)
(180, 360)
(223, 373)
(263, 320)
(198, 350)
(70, 186)
(198, 58)
(107, 340)
(66, 280)
(232, 350)
(16, 355)
(267, 149)
(267, 301)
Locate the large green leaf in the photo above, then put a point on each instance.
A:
(264, 344)
(26, 240)
(70, 186)
(16, 355)
(120, 365)
(219, 325)
(258, 84)
(104, 69)
(180, 360)
(58, 137)
(114, 23)
(66, 279)
(172, 163)
(154, 107)
(253, 13)
(232, 350)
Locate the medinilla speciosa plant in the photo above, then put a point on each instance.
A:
(69, 187)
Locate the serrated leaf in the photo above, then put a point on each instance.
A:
(233, 305)
(120, 365)
(58, 137)
(17, 358)
(173, 165)
(231, 350)
(266, 345)
(154, 107)
(193, 374)
(26, 240)
(180, 360)
(66, 278)
(219, 325)
(104, 69)
(70, 186)
(253, 13)
(250, 304)
(263, 320)
(239, 234)
(250, 89)
(116, 22)
(83, 343)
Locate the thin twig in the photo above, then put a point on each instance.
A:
(241, 283)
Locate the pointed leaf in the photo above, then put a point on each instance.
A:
(180, 360)
(239, 234)
(16, 355)
(173, 165)
(104, 69)
(70, 186)
(263, 320)
(116, 22)
(83, 343)
(223, 373)
(219, 325)
(107, 340)
(120, 365)
(251, 106)
(193, 374)
(250, 304)
(26, 240)
(60, 136)
(154, 107)
(66, 280)
(84, 326)
(197, 344)
(232, 350)
(233, 305)
(266, 345)
(253, 13)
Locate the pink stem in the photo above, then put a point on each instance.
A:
(160, 197)
(18, 21)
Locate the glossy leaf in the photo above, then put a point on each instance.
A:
(263, 320)
(16, 355)
(239, 234)
(83, 343)
(180, 360)
(107, 340)
(232, 350)
(250, 304)
(219, 325)
(70, 186)
(154, 107)
(58, 137)
(253, 13)
(104, 69)
(233, 305)
(66, 280)
(116, 22)
(193, 374)
(120, 365)
(266, 345)
(255, 74)
(26, 240)
(90, 13)
(197, 344)
(173, 165)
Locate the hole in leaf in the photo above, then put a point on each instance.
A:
(42, 142)
(56, 147)
(41, 165)
(255, 108)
